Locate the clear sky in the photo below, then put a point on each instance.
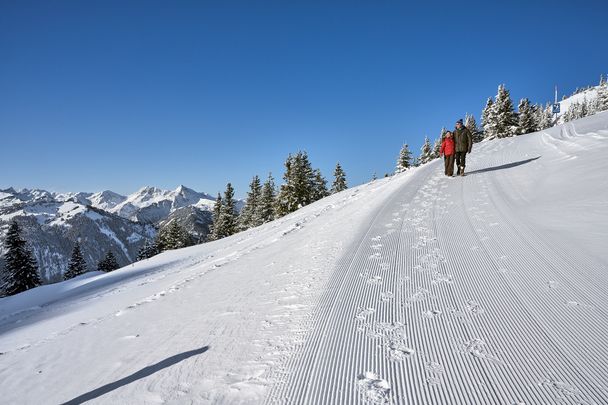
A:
(120, 94)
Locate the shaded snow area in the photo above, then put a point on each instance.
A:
(416, 289)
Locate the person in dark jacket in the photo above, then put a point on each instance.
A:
(447, 150)
(463, 141)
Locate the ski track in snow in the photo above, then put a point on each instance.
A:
(417, 289)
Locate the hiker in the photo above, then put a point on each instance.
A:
(463, 141)
(447, 151)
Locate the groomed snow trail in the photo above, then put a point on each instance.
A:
(474, 290)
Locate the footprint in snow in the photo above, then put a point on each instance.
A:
(397, 350)
(431, 313)
(376, 238)
(363, 313)
(435, 371)
(375, 255)
(376, 246)
(478, 348)
(375, 280)
(373, 389)
(387, 296)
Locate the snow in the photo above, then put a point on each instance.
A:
(486, 289)
(587, 95)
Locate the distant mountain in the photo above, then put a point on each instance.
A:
(152, 205)
(103, 221)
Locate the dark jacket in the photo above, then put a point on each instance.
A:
(463, 139)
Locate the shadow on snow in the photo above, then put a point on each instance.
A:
(505, 166)
(144, 372)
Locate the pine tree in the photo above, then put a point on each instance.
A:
(173, 236)
(108, 263)
(504, 114)
(148, 250)
(602, 79)
(437, 148)
(268, 200)
(319, 186)
(285, 201)
(426, 152)
(601, 103)
(76, 265)
(545, 115)
(21, 269)
(229, 216)
(471, 124)
(488, 120)
(527, 117)
(405, 159)
(249, 216)
(339, 183)
(216, 230)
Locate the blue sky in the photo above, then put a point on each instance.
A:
(118, 95)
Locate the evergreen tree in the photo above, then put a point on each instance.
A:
(173, 236)
(299, 184)
(602, 79)
(216, 231)
(601, 103)
(545, 116)
(471, 124)
(437, 147)
(319, 186)
(488, 120)
(285, 201)
(76, 265)
(267, 200)
(527, 117)
(148, 250)
(374, 177)
(229, 216)
(505, 123)
(108, 263)
(21, 269)
(339, 183)
(405, 159)
(426, 152)
(249, 216)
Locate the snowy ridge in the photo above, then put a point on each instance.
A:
(418, 288)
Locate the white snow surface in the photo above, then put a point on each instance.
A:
(414, 289)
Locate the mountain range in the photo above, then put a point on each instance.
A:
(102, 221)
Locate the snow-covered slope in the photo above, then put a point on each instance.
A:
(582, 97)
(421, 289)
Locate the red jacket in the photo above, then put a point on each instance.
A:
(447, 147)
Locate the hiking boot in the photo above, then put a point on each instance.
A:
(462, 172)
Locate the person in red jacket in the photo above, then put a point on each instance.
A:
(447, 151)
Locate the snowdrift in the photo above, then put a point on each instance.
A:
(486, 289)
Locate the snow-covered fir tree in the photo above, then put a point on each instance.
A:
(108, 263)
(505, 124)
(437, 147)
(268, 200)
(471, 124)
(601, 103)
(339, 183)
(404, 161)
(250, 214)
(545, 117)
(488, 120)
(229, 215)
(527, 117)
(319, 188)
(20, 269)
(173, 236)
(148, 250)
(426, 152)
(214, 232)
(77, 264)
(297, 189)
